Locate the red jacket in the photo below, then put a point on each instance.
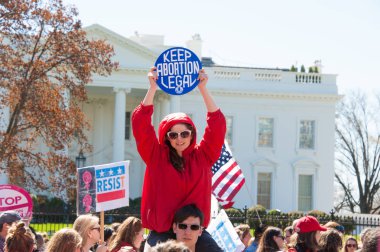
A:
(165, 189)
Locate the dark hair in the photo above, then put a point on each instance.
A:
(107, 233)
(188, 211)
(350, 239)
(176, 160)
(305, 241)
(19, 238)
(259, 230)
(267, 243)
(330, 241)
(126, 232)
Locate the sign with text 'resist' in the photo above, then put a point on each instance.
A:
(16, 198)
(177, 70)
(102, 187)
(224, 234)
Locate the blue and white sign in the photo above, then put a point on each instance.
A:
(224, 234)
(177, 70)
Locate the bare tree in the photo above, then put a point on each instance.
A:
(358, 153)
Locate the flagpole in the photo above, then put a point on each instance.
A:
(250, 196)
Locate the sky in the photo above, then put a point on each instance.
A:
(344, 35)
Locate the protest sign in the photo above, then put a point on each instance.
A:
(16, 198)
(177, 70)
(224, 234)
(102, 187)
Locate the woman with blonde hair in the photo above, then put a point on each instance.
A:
(19, 238)
(65, 240)
(129, 234)
(89, 229)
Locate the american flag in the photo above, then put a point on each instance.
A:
(227, 177)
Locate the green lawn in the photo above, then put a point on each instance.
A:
(49, 228)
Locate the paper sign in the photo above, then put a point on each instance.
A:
(16, 198)
(102, 187)
(178, 70)
(224, 234)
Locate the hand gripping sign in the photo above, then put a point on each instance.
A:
(177, 70)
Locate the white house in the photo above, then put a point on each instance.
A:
(280, 123)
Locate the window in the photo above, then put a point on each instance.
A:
(127, 125)
(264, 189)
(307, 134)
(305, 192)
(229, 121)
(266, 127)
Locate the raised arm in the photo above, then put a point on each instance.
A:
(142, 128)
(209, 102)
(152, 76)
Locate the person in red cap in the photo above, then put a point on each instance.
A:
(307, 235)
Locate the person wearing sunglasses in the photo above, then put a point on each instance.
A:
(89, 229)
(271, 241)
(351, 244)
(187, 225)
(178, 170)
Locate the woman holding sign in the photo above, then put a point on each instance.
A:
(178, 169)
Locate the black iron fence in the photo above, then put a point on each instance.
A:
(353, 224)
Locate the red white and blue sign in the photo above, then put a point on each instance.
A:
(16, 198)
(177, 70)
(103, 187)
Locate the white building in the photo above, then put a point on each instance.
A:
(280, 123)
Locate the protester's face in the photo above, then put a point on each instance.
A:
(246, 239)
(94, 233)
(188, 236)
(279, 239)
(138, 239)
(317, 236)
(182, 140)
(351, 245)
(287, 236)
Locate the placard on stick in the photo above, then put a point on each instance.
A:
(102, 187)
(177, 70)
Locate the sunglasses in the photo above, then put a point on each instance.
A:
(174, 135)
(351, 245)
(185, 226)
(281, 236)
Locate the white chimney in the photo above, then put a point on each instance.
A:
(195, 45)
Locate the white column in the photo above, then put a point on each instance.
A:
(4, 121)
(175, 105)
(157, 111)
(165, 107)
(99, 121)
(119, 124)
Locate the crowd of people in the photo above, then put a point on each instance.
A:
(305, 235)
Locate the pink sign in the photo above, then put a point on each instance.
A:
(16, 198)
